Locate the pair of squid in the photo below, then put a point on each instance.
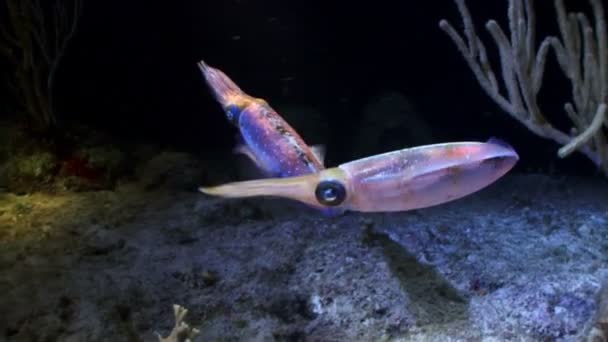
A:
(401, 180)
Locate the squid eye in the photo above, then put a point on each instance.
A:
(233, 112)
(330, 193)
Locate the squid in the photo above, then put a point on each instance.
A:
(267, 139)
(402, 180)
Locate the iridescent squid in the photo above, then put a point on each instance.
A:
(268, 140)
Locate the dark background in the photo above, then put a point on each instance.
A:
(131, 70)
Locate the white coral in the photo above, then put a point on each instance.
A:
(582, 54)
(181, 332)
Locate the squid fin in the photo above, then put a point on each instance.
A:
(319, 152)
(245, 150)
(499, 142)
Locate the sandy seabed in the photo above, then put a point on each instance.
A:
(525, 259)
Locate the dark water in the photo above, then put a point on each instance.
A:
(131, 70)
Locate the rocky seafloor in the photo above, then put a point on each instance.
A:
(525, 259)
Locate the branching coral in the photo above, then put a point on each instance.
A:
(582, 54)
(181, 332)
(34, 38)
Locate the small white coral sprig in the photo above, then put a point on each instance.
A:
(181, 332)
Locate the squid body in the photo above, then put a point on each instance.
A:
(407, 179)
(267, 139)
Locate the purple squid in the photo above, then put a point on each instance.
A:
(268, 140)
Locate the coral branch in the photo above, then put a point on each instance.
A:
(181, 332)
(582, 55)
(34, 39)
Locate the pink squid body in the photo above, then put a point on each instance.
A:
(425, 176)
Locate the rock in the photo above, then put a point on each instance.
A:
(108, 158)
(390, 122)
(28, 173)
(7, 131)
(102, 242)
(4, 176)
(172, 170)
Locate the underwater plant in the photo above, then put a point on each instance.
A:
(34, 38)
(582, 54)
